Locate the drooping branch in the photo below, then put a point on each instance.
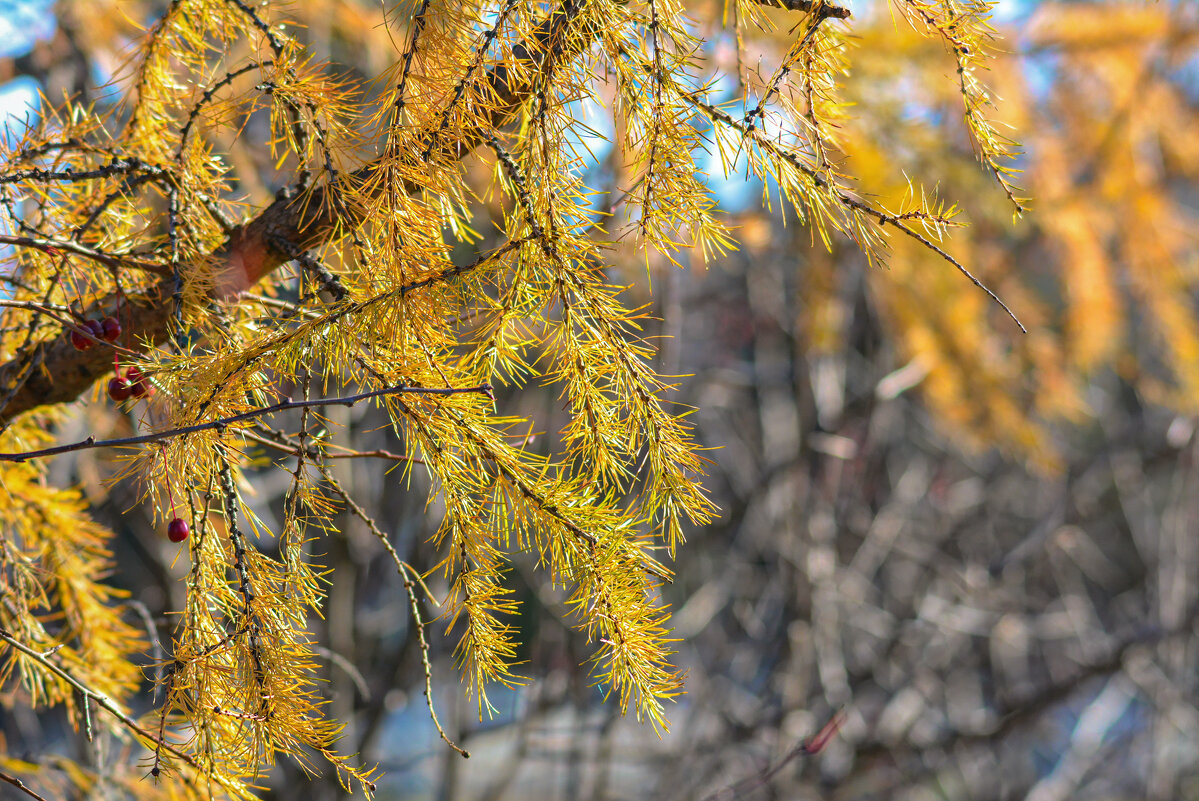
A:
(98, 698)
(53, 371)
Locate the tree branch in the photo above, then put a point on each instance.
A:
(102, 700)
(820, 8)
(158, 436)
(307, 220)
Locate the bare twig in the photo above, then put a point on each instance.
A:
(411, 580)
(346, 665)
(56, 247)
(809, 747)
(20, 785)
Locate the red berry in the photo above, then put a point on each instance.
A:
(110, 329)
(119, 389)
(79, 340)
(138, 384)
(177, 529)
(96, 327)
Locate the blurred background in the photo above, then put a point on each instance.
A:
(979, 546)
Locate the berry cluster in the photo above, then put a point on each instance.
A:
(133, 384)
(107, 329)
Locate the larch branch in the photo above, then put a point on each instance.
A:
(157, 436)
(53, 371)
(820, 8)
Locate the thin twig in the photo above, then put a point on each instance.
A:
(102, 700)
(883, 217)
(118, 166)
(61, 315)
(350, 400)
(20, 785)
(152, 633)
(245, 584)
(759, 111)
(55, 247)
(809, 747)
(349, 667)
(284, 444)
(411, 579)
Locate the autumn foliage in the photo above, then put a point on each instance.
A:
(434, 244)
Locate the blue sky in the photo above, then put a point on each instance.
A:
(22, 22)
